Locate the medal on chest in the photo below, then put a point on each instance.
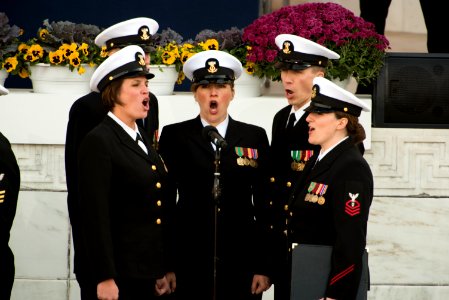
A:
(315, 193)
(247, 156)
(300, 157)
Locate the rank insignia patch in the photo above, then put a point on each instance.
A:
(352, 206)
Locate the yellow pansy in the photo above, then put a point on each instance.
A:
(10, 64)
(210, 44)
(23, 48)
(56, 57)
(34, 53)
(186, 47)
(81, 70)
(75, 59)
(43, 34)
(250, 68)
(23, 73)
(68, 49)
(185, 56)
(84, 49)
(168, 58)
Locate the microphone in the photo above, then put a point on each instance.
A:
(211, 133)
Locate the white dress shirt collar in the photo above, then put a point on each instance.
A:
(222, 127)
(131, 132)
(300, 112)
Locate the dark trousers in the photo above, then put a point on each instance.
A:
(129, 289)
(375, 12)
(282, 284)
(230, 286)
(435, 19)
(7, 272)
(282, 278)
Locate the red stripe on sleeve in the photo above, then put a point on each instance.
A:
(342, 274)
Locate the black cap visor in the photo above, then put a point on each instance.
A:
(284, 65)
(218, 79)
(324, 104)
(132, 69)
(123, 41)
(319, 108)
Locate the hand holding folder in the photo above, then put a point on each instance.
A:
(311, 265)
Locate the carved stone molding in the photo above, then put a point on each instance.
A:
(41, 167)
(408, 161)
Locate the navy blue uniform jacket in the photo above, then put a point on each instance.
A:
(284, 141)
(86, 113)
(344, 179)
(121, 205)
(243, 247)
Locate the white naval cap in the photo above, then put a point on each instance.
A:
(137, 31)
(298, 53)
(127, 62)
(212, 66)
(3, 90)
(329, 97)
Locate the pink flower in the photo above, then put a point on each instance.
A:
(329, 24)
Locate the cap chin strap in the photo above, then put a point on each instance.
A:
(124, 41)
(303, 59)
(130, 69)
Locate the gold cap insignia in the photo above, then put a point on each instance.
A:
(212, 66)
(140, 59)
(314, 91)
(144, 33)
(286, 47)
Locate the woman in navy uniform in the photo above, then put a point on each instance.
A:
(9, 192)
(333, 197)
(242, 255)
(300, 60)
(121, 184)
(89, 110)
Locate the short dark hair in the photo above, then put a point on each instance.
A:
(110, 93)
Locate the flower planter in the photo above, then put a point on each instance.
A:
(349, 84)
(164, 80)
(3, 76)
(50, 79)
(248, 86)
(361, 48)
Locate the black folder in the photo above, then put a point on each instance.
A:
(311, 265)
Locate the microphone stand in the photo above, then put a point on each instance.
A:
(216, 192)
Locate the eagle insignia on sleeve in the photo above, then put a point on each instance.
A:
(352, 206)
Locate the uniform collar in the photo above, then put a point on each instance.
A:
(131, 132)
(300, 112)
(323, 154)
(222, 127)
